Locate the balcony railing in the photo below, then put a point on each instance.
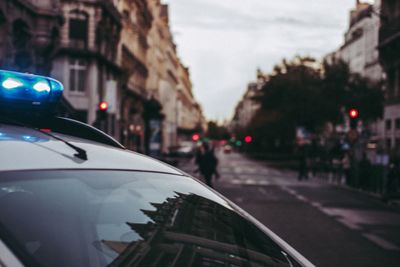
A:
(389, 31)
(78, 46)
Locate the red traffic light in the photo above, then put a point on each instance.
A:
(248, 139)
(103, 105)
(195, 137)
(353, 113)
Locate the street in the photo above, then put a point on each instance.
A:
(330, 225)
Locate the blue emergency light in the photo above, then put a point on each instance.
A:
(27, 90)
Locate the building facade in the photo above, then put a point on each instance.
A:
(247, 108)
(189, 117)
(29, 33)
(389, 54)
(133, 48)
(118, 51)
(164, 80)
(360, 51)
(86, 60)
(360, 48)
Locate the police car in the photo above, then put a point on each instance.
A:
(72, 196)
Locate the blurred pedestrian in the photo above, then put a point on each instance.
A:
(314, 158)
(337, 169)
(393, 181)
(365, 172)
(207, 163)
(346, 168)
(303, 165)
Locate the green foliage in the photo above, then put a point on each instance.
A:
(366, 97)
(217, 132)
(303, 93)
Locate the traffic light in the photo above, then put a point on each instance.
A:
(248, 139)
(103, 106)
(195, 137)
(353, 115)
(102, 111)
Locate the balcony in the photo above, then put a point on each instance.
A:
(105, 51)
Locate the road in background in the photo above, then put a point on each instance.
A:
(330, 225)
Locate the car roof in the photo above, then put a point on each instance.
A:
(23, 148)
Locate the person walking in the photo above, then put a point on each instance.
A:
(393, 180)
(303, 165)
(207, 163)
(365, 172)
(346, 163)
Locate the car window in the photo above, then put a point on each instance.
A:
(121, 218)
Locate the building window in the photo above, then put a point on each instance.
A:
(388, 143)
(78, 29)
(397, 143)
(397, 123)
(77, 75)
(388, 124)
(21, 37)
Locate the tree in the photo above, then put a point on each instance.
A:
(345, 90)
(366, 96)
(291, 98)
(335, 82)
(303, 93)
(216, 131)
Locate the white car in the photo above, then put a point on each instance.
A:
(72, 196)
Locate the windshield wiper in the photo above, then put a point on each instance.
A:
(80, 153)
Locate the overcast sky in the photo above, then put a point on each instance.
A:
(223, 42)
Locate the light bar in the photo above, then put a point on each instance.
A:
(28, 89)
(11, 83)
(42, 87)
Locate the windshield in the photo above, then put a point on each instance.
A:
(121, 218)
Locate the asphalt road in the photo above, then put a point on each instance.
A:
(330, 225)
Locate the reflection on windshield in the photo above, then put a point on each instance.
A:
(189, 230)
(92, 218)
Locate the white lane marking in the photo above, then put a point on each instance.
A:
(301, 198)
(352, 220)
(316, 205)
(290, 191)
(381, 242)
(365, 217)
(262, 191)
(250, 181)
(295, 194)
(347, 223)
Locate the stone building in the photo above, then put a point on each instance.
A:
(118, 51)
(189, 119)
(360, 52)
(86, 60)
(29, 34)
(133, 47)
(389, 54)
(247, 107)
(164, 64)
